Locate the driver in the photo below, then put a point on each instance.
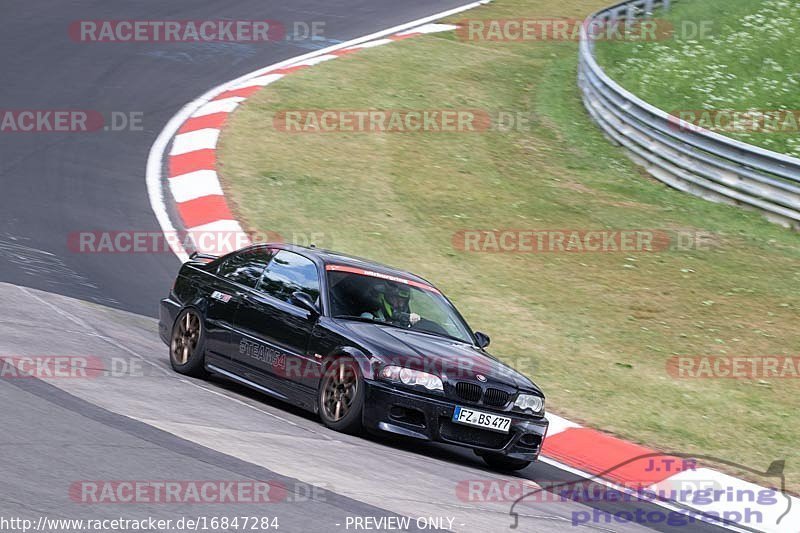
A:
(392, 304)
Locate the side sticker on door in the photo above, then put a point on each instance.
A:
(262, 353)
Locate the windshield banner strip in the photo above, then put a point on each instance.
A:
(372, 273)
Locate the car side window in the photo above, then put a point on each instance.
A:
(246, 267)
(287, 273)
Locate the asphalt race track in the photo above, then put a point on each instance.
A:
(57, 184)
(145, 422)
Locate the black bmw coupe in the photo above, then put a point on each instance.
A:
(361, 344)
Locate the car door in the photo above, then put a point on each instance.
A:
(234, 276)
(273, 333)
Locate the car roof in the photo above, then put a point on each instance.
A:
(329, 257)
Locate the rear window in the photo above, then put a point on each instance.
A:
(245, 267)
(289, 273)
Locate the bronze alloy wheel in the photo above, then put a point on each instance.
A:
(185, 338)
(340, 390)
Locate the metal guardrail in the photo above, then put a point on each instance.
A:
(688, 158)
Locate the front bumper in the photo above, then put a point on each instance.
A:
(415, 415)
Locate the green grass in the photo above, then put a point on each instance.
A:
(595, 330)
(747, 60)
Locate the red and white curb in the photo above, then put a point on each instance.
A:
(194, 191)
(191, 175)
(189, 185)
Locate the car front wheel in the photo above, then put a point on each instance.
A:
(341, 396)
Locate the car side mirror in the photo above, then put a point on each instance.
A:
(301, 299)
(482, 339)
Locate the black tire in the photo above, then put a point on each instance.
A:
(187, 344)
(341, 396)
(503, 463)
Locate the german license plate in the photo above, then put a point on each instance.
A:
(470, 417)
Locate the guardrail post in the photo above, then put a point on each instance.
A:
(648, 8)
(665, 4)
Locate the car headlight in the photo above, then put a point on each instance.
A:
(410, 377)
(529, 402)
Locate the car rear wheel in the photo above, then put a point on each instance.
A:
(504, 463)
(186, 348)
(341, 396)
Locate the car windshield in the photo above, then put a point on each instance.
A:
(402, 303)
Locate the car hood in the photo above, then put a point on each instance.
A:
(450, 359)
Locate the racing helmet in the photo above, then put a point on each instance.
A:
(394, 298)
